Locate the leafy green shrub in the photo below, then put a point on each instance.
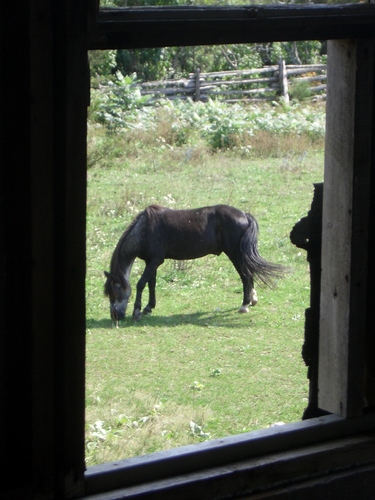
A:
(300, 90)
(113, 103)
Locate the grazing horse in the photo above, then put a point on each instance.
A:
(160, 233)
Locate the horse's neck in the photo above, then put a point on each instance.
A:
(127, 269)
(128, 252)
(124, 266)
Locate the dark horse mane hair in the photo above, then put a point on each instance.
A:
(149, 214)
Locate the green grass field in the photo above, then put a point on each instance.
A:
(195, 369)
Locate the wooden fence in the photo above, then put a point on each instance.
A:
(263, 84)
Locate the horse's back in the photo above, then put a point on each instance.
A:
(193, 233)
(232, 214)
(185, 234)
(198, 215)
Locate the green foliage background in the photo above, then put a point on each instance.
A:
(175, 62)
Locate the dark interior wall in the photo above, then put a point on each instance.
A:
(44, 98)
(370, 339)
(15, 244)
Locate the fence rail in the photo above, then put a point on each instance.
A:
(250, 85)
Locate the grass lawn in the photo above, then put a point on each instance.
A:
(196, 369)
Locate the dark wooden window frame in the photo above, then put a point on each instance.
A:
(297, 454)
(166, 26)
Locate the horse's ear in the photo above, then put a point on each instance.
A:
(107, 275)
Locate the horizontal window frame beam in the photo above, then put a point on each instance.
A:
(127, 28)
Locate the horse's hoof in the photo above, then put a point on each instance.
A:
(243, 309)
(147, 310)
(137, 315)
(254, 298)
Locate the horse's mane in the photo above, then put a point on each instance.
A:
(152, 213)
(148, 216)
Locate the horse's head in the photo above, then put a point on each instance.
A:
(118, 293)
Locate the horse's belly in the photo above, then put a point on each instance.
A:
(190, 251)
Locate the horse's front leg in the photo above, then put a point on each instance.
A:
(148, 276)
(250, 297)
(151, 295)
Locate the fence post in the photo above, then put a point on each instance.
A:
(197, 95)
(283, 79)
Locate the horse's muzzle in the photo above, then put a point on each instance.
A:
(118, 311)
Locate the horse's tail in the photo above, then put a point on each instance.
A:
(252, 263)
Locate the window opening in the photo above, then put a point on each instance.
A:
(195, 369)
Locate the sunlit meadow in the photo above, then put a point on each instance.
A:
(196, 369)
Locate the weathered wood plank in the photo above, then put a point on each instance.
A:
(283, 79)
(317, 78)
(344, 232)
(341, 14)
(242, 72)
(302, 71)
(240, 92)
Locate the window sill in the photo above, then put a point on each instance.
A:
(239, 464)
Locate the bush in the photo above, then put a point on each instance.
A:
(217, 125)
(300, 91)
(113, 102)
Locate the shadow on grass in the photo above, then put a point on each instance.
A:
(229, 318)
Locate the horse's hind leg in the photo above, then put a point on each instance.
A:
(250, 297)
(249, 294)
(253, 297)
